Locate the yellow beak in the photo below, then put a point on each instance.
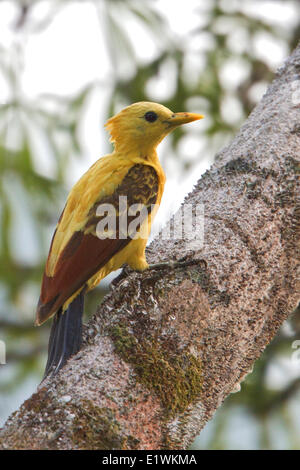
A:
(177, 119)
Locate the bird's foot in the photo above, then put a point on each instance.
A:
(124, 273)
(172, 264)
(183, 262)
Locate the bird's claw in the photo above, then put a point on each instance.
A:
(172, 264)
(123, 274)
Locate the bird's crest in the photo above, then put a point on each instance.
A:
(113, 127)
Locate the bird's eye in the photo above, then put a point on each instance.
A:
(150, 116)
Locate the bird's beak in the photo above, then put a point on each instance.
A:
(177, 119)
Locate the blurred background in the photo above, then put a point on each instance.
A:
(65, 67)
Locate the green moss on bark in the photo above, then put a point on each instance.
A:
(175, 378)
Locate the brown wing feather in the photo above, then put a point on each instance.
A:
(85, 254)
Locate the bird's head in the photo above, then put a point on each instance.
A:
(143, 125)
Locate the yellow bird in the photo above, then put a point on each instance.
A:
(106, 222)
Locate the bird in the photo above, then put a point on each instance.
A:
(105, 223)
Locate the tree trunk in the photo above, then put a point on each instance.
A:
(167, 346)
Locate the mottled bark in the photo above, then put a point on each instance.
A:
(166, 347)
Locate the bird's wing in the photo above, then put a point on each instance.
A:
(84, 253)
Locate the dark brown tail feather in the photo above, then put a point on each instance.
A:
(65, 335)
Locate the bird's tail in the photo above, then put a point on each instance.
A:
(65, 335)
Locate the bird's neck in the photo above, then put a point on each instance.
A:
(137, 151)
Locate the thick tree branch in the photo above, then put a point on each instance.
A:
(166, 347)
